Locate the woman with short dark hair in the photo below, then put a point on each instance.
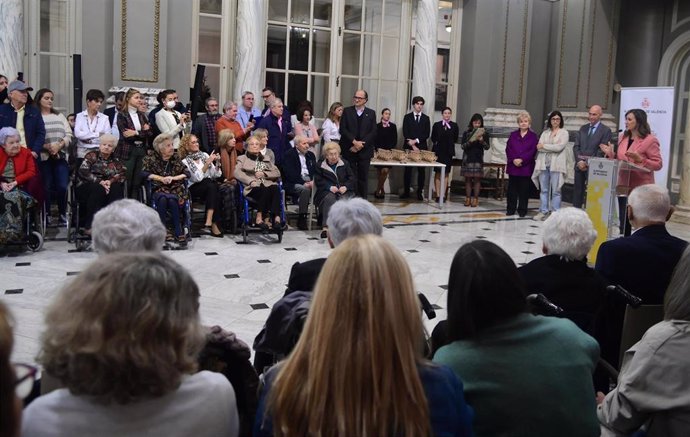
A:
(475, 140)
(552, 165)
(524, 375)
(123, 339)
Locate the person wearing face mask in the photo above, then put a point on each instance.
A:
(204, 127)
(169, 120)
(135, 134)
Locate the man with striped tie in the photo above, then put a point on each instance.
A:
(587, 142)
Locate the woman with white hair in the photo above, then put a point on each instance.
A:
(127, 226)
(562, 274)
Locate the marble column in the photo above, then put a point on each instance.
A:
(11, 38)
(682, 213)
(249, 46)
(424, 67)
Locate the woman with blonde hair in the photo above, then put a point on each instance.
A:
(135, 137)
(362, 372)
(123, 338)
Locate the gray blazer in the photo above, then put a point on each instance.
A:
(589, 145)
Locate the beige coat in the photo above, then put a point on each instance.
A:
(245, 169)
(556, 148)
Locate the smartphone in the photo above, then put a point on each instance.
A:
(188, 108)
(20, 76)
(251, 118)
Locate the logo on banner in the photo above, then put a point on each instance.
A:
(645, 103)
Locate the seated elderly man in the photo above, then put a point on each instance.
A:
(298, 176)
(127, 226)
(641, 263)
(348, 218)
(562, 274)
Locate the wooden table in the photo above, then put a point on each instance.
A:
(420, 164)
(499, 179)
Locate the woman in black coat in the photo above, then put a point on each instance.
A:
(334, 180)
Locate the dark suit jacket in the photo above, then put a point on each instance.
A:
(292, 167)
(642, 264)
(303, 276)
(589, 146)
(420, 131)
(277, 138)
(367, 131)
(34, 128)
(111, 113)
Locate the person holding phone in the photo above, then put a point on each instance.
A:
(169, 120)
(247, 113)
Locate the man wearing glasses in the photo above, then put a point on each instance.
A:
(357, 135)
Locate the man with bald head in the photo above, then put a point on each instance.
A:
(357, 136)
(587, 141)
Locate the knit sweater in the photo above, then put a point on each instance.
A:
(57, 128)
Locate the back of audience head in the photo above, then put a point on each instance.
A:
(127, 226)
(351, 217)
(10, 405)
(125, 329)
(484, 288)
(677, 297)
(649, 204)
(378, 331)
(568, 233)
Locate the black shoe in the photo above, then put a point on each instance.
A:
(405, 195)
(509, 213)
(302, 222)
(420, 195)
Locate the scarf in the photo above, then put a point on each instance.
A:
(385, 123)
(446, 124)
(194, 157)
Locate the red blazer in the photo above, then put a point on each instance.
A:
(24, 165)
(650, 151)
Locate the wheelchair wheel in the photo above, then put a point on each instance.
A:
(80, 244)
(34, 241)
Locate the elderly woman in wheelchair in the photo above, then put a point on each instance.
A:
(100, 179)
(259, 177)
(17, 168)
(168, 176)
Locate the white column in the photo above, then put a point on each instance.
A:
(424, 68)
(11, 38)
(249, 48)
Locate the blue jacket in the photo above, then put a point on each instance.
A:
(34, 128)
(292, 167)
(277, 138)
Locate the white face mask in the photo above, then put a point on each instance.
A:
(170, 104)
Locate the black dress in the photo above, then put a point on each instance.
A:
(473, 157)
(386, 137)
(444, 139)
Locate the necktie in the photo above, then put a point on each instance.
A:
(280, 124)
(416, 117)
(591, 131)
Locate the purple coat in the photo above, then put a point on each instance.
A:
(524, 148)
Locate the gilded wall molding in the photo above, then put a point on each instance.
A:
(522, 55)
(559, 102)
(123, 44)
(604, 103)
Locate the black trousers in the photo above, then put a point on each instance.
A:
(518, 194)
(93, 195)
(623, 223)
(579, 188)
(207, 191)
(267, 199)
(360, 167)
(421, 176)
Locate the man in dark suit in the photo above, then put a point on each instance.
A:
(357, 137)
(416, 130)
(279, 128)
(299, 167)
(587, 145)
(113, 110)
(641, 263)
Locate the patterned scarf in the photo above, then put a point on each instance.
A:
(211, 129)
(195, 157)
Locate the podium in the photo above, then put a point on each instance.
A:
(608, 186)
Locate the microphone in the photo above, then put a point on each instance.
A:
(426, 306)
(629, 298)
(543, 305)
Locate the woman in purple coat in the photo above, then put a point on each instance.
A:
(520, 151)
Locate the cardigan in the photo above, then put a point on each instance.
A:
(519, 147)
(24, 165)
(556, 152)
(165, 120)
(57, 128)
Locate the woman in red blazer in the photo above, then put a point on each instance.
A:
(17, 168)
(639, 146)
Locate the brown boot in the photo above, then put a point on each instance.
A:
(467, 201)
(475, 202)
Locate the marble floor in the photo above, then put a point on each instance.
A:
(240, 282)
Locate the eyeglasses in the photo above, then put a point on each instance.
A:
(358, 98)
(266, 96)
(25, 376)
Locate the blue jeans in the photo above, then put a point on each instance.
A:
(55, 173)
(549, 181)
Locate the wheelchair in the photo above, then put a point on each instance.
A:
(33, 229)
(185, 216)
(248, 214)
(76, 211)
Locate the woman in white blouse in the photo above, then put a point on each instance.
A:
(203, 184)
(170, 121)
(551, 165)
(90, 124)
(330, 130)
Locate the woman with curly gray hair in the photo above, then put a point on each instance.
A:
(123, 338)
(562, 274)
